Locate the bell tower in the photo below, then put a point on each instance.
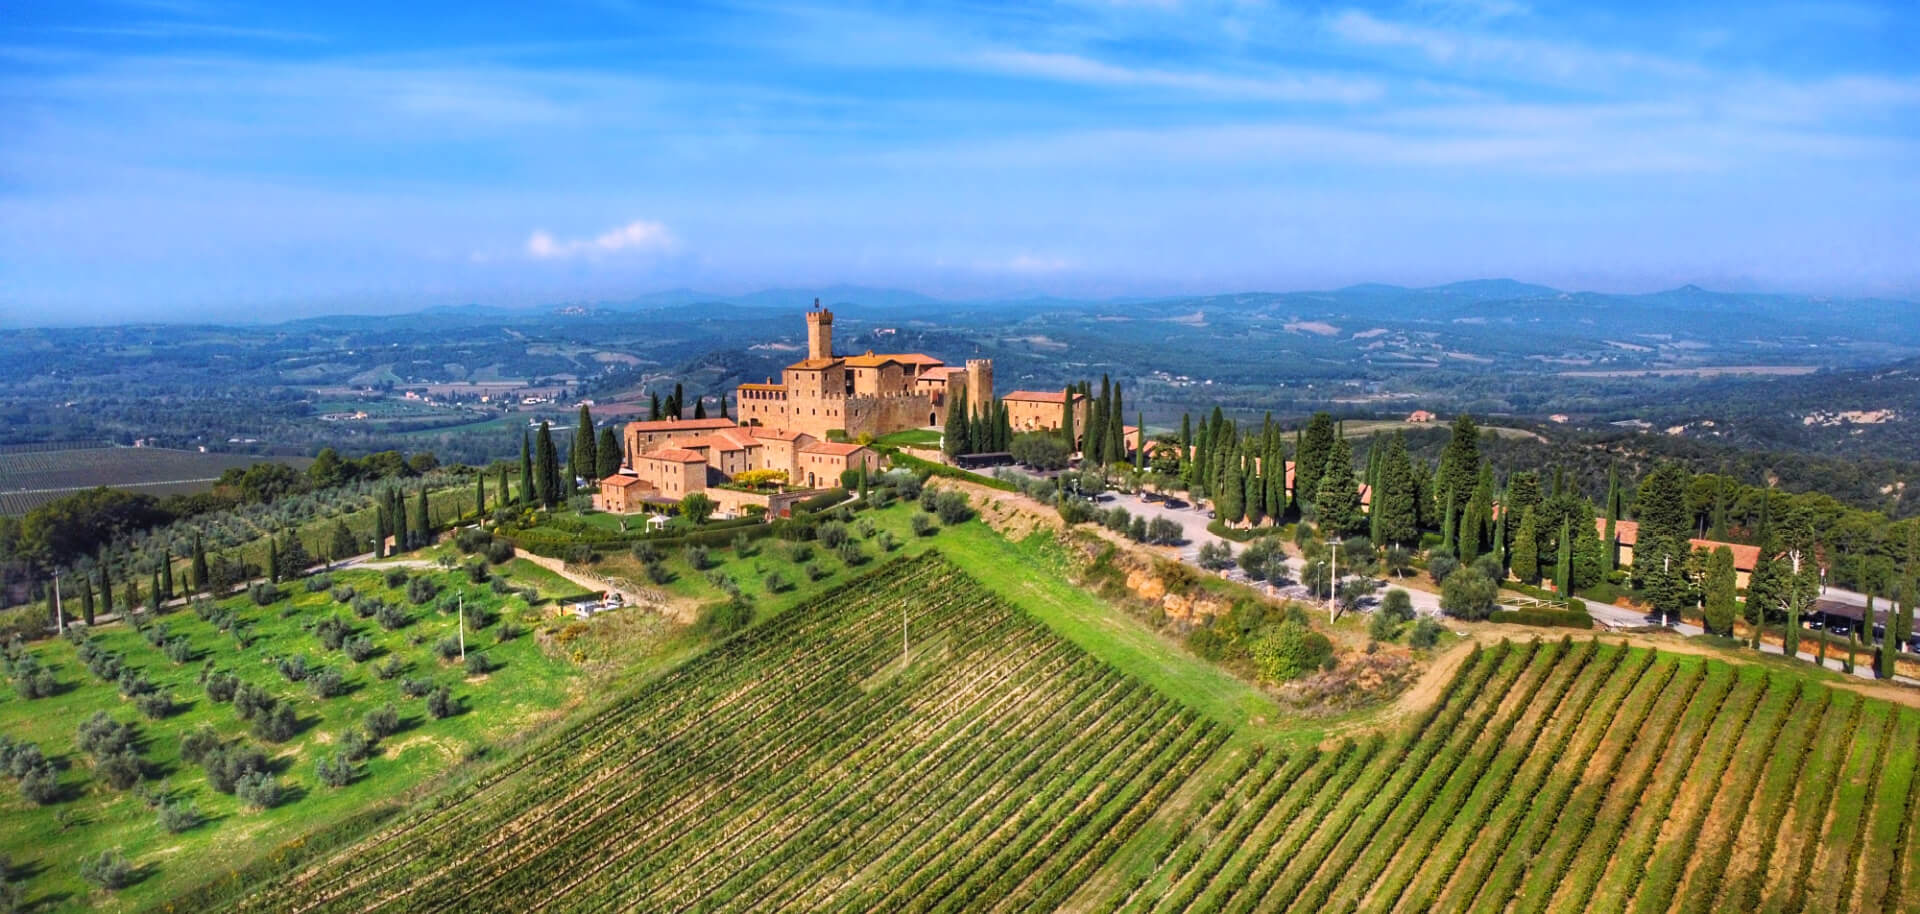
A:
(979, 386)
(819, 332)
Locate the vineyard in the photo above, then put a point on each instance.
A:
(29, 478)
(1568, 777)
(804, 764)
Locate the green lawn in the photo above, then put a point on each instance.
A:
(913, 437)
(528, 688)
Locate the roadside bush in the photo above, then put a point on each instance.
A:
(1216, 556)
(1545, 618)
(1397, 604)
(1468, 594)
(1441, 566)
(263, 593)
(1163, 531)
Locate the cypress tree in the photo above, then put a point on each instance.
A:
(547, 476)
(1563, 567)
(1096, 448)
(199, 568)
(653, 409)
(1721, 600)
(1526, 551)
(1117, 428)
(397, 514)
(424, 521)
(678, 403)
(527, 495)
(86, 599)
(723, 405)
(607, 454)
(955, 439)
(699, 407)
(166, 568)
(1500, 539)
(500, 493)
(131, 601)
(1066, 419)
(153, 593)
(1460, 462)
(273, 559)
(1610, 550)
(1311, 464)
(479, 494)
(1140, 448)
(1395, 501)
(583, 458)
(1230, 502)
(1448, 527)
(1337, 503)
(380, 533)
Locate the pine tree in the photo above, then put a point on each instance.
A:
(607, 454)
(1526, 550)
(583, 459)
(1721, 600)
(199, 567)
(547, 461)
(527, 495)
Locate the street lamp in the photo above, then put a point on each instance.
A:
(1333, 581)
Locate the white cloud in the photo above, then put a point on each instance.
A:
(637, 237)
(1073, 68)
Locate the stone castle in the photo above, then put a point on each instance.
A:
(870, 394)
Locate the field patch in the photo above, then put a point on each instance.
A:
(32, 478)
(996, 768)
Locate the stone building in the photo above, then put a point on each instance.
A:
(867, 394)
(1041, 410)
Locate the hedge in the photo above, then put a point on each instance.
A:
(1544, 618)
(940, 469)
(1238, 535)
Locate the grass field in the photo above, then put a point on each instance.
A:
(1566, 777)
(32, 478)
(994, 766)
(528, 687)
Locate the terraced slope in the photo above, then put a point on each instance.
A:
(1571, 777)
(803, 767)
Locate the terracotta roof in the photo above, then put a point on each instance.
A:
(835, 448)
(761, 431)
(913, 358)
(869, 360)
(768, 386)
(814, 364)
(1627, 533)
(721, 441)
(680, 425)
(1040, 396)
(623, 481)
(676, 455)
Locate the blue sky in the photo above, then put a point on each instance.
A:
(182, 159)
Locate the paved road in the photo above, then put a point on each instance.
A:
(1616, 617)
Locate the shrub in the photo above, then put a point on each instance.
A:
(1425, 634)
(1216, 556)
(263, 593)
(199, 743)
(221, 686)
(318, 582)
(448, 648)
(414, 688)
(832, 534)
(886, 541)
(132, 683)
(924, 524)
(645, 552)
(393, 618)
(658, 572)
(383, 721)
(277, 725)
(121, 769)
(355, 744)
(851, 553)
(479, 664)
(440, 703)
(258, 790)
(777, 582)
(333, 771)
(952, 508)
(472, 539)
(155, 705)
(1441, 566)
(699, 558)
(800, 553)
(101, 736)
(500, 552)
(1289, 651)
(332, 632)
(342, 594)
(1162, 531)
(396, 578)
(420, 590)
(180, 650)
(1398, 604)
(358, 648)
(367, 607)
(225, 766)
(327, 683)
(1545, 618)
(1468, 594)
(726, 617)
(41, 786)
(109, 871)
(178, 816)
(294, 668)
(1382, 626)
(250, 701)
(814, 571)
(393, 667)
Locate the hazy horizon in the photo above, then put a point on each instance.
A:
(189, 160)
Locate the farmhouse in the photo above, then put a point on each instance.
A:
(741, 468)
(1626, 535)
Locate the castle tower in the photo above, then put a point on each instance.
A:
(819, 332)
(979, 386)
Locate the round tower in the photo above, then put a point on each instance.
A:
(979, 386)
(819, 332)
